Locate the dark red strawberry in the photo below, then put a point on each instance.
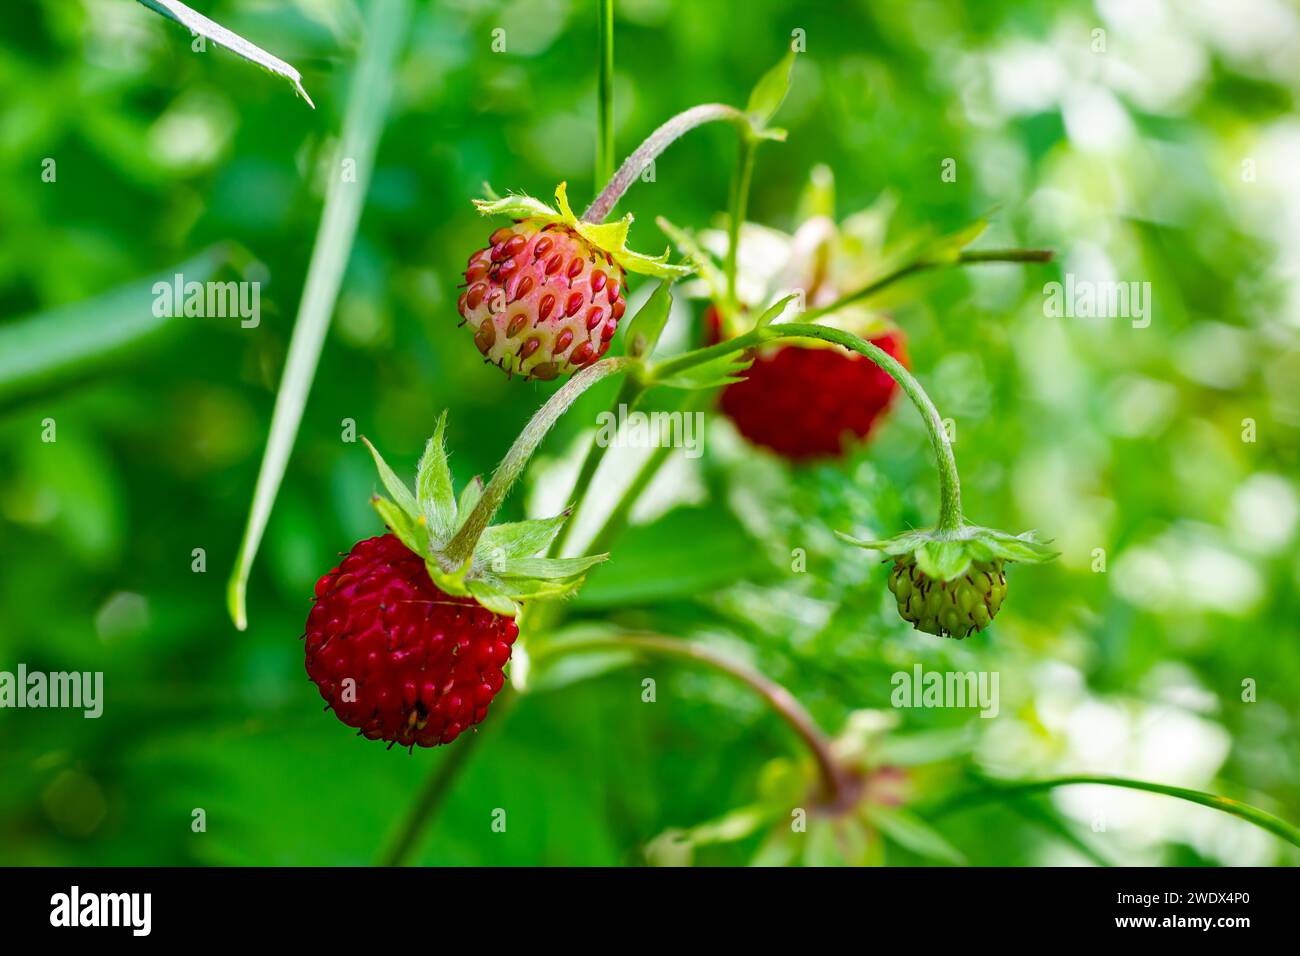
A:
(398, 658)
(808, 402)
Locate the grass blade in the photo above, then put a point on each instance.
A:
(196, 22)
(54, 347)
(367, 106)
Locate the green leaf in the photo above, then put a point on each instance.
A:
(914, 834)
(433, 488)
(392, 484)
(687, 554)
(648, 324)
(367, 108)
(770, 91)
(59, 346)
(196, 22)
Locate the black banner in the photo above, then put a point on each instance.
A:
(362, 906)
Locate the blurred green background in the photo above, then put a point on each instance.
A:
(1167, 157)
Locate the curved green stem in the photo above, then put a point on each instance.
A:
(971, 257)
(840, 788)
(950, 519)
(656, 143)
(996, 790)
(461, 546)
(605, 93)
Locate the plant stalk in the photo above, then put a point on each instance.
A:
(736, 214)
(840, 787)
(950, 519)
(971, 257)
(605, 92)
(997, 790)
(654, 145)
(461, 546)
(438, 785)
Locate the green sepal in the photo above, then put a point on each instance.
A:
(549, 569)
(774, 311)
(408, 530)
(947, 249)
(609, 237)
(724, 370)
(453, 582)
(945, 557)
(469, 497)
(504, 569)
(769, 93)
(516, 206)
(648, 324)
(433, 488)
(518, 539)
(493, 598)
(401, 494)
(705, 265)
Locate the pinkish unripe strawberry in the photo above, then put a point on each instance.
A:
(545, 296)
(541, 300)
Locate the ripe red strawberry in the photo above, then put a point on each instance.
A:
(803, 402)
(541, 300)
(410, 635)
(424, 665)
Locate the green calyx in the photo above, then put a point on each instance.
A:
(607, 237)
(955, 608)
(503, 570)
(952, 584)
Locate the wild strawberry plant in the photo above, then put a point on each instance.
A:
(415, 633)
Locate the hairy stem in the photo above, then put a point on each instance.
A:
(839, 787)
(461, 546)
(949, 483)
(922, 265)
(654, 145)
(605, 94)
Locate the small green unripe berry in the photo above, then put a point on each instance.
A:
(955, 608)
